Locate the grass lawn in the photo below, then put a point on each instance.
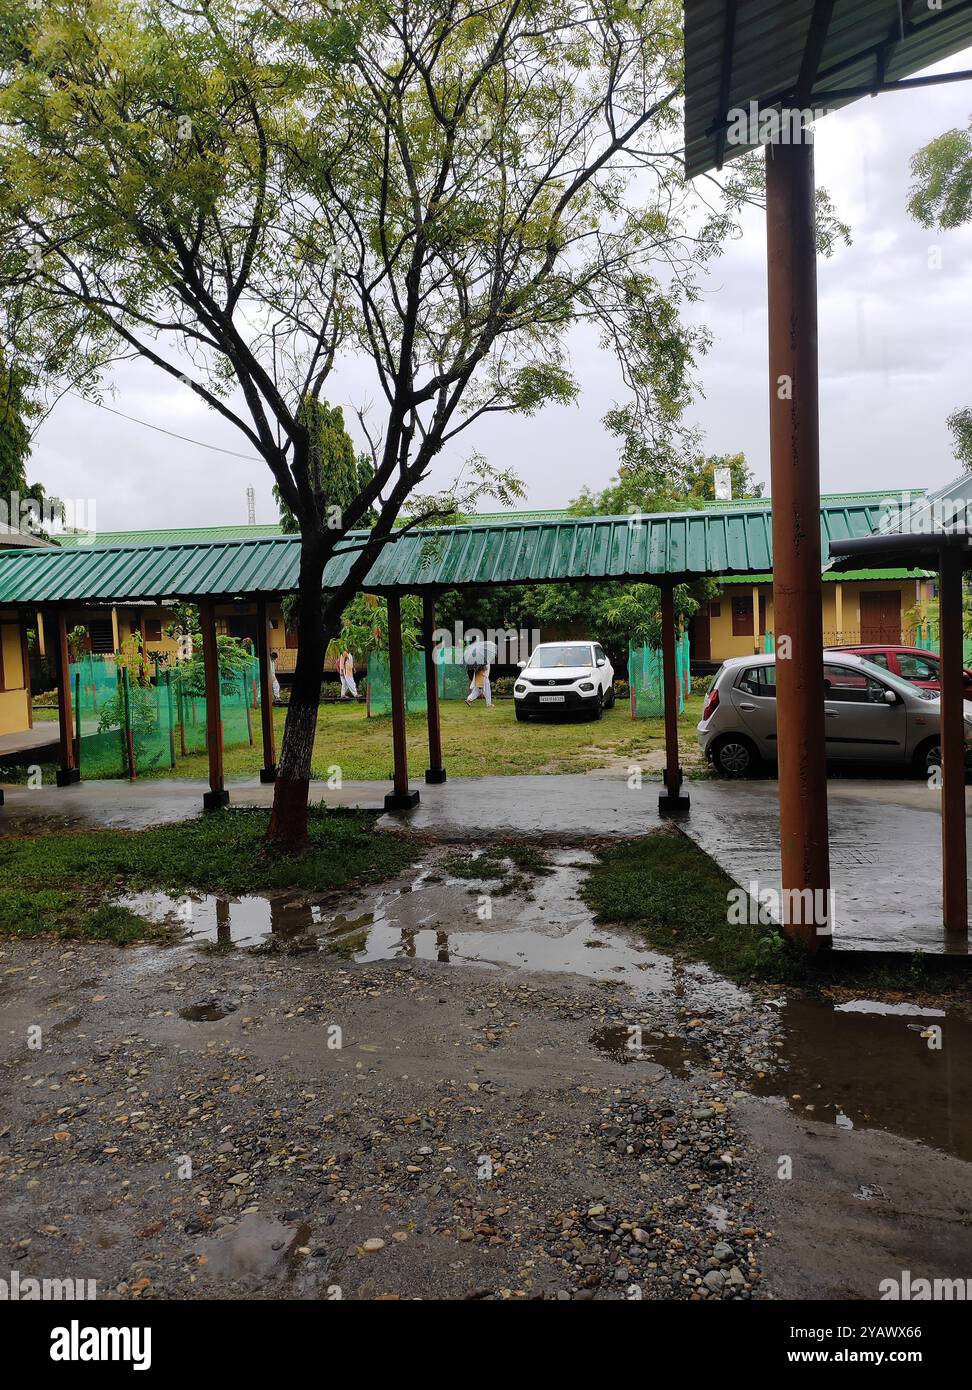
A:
(58, 883)
(666, 885)
(476, 743)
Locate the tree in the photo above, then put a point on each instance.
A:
(941, 198)
(241, 191)
(15, 410)
(699, 477)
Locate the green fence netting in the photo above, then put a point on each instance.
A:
(452, 678)
(379, 683)
(646, 678)
(124, 727)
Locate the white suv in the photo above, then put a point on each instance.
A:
(564, 676)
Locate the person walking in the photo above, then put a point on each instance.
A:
(274, 683)
(479, 685)
(346, 672)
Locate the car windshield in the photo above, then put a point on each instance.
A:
(547, 657)
(898, 682)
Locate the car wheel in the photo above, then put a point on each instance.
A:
(609, 698)
(598, 709)
(734, 756)
(522, 716)
(928, 756)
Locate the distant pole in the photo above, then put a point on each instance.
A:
(795, 490)
(435, 773)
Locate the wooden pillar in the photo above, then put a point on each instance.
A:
(955, 903)
(671, 801)
(400, 799)
(68, 771)
(217, 796)
(757, 646)
(25, 661)
(268, 772)
(435, 773)
(115, 632)
(795, 491)
(838, 613)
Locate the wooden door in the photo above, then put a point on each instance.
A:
(881, 616)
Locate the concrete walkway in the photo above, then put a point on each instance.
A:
(44, 734)
(885, 834)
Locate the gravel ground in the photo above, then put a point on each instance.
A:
(185, 1124)
(478, 1133)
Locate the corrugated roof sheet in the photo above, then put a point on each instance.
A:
(863, 45)
(248, 531)
(834, 576)
(680, 545)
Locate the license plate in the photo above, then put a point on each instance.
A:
(551, 699)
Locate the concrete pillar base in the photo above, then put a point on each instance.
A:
(268, 774)
(435, 776)
(215, 801)
(673, 805)
(401, 801)
(67, 776)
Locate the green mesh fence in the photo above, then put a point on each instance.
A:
(379, 683)
(646, 680)
(124, 728)
(452, 674)
(452, 678)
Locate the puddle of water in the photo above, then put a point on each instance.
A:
(256, 1248)
(229, 921)
(624, 1043)
(440, 918)
(872, 1066)
(206, 1013)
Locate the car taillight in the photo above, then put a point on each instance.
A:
(711, 703)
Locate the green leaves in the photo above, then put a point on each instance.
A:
(941, 195)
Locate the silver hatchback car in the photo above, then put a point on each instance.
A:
(870, 715)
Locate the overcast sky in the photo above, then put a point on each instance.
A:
(895, 360)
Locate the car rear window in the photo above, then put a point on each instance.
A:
(758, 680)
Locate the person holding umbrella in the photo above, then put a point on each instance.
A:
(478, 657)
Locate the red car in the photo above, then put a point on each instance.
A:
(912, 663)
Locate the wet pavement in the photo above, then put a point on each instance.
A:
(885, 833)
(461, 1087)
(885, 856)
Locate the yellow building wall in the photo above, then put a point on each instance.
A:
(14, 696)
(722, 643)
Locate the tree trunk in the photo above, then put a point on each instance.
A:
(288, 820)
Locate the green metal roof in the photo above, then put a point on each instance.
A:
(247, 532)
(176, 536)
(828, 499)
(833, 576)
(677, 545)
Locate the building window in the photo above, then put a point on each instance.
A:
(153, 629)
(715, 609)
(742, 617)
